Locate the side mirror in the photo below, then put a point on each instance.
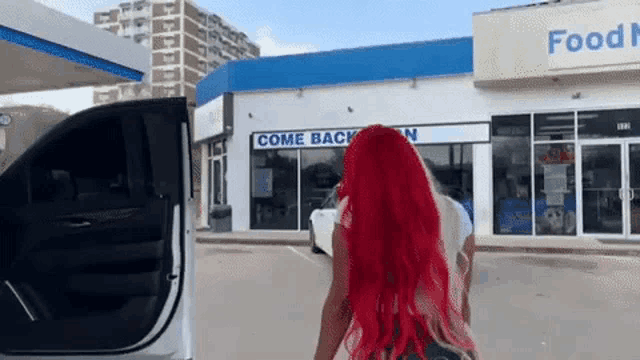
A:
(5, 119)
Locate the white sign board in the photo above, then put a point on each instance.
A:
(461, 133)
(599, 43)
(577, 38)
(209, 119)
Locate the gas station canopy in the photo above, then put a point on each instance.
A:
(44, 49)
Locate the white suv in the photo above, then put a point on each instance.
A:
(321, 224)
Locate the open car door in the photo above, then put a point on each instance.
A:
(96, 249)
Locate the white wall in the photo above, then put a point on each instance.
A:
(440, 100)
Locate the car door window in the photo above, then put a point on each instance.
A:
(86, 164)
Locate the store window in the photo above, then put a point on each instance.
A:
(604, 124)
(452, 166)
(556, 126)
(274, 190)
(511, 148)
(321, 170)
(555, 184)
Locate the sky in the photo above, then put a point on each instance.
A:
(282, 27)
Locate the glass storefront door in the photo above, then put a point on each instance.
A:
(610, 181)
(217, 181)
(633, 188)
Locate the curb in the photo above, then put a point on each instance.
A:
(479, 248)
(562, 251)
(254, 242)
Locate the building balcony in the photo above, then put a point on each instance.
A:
(141, 30)
(140, 18)
(169, 41)
(226, 36)
(126, 13)
(202, 66)
(104, 18)
(169, 26)
(141, 4)
(125, 32)
(224, 54)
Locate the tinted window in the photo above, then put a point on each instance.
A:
(274, 191)
(452, 166)
(13, 188)
(321, 169)
(85, 164)
(558, 126)
(511, 147)
(609, 123)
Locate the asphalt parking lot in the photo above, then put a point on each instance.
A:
(265, 302)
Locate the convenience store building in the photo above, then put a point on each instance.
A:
(533, 123)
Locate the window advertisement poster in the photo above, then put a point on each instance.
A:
(263, 183)
(555, 200)
(555, 183)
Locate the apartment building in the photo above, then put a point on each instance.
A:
(187, 42)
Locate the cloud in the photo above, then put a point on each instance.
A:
(272, 46)
(59, 5)
(80, 9)
(67, 100)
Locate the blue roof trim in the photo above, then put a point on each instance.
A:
(214, 84)
(61, 51)
(377, 63)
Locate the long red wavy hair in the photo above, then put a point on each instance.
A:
(394, 233)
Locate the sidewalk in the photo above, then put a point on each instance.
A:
(291, 238)
(557, 245)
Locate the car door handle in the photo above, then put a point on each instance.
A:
(75, 223)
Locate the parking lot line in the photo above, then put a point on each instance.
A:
(303, 255)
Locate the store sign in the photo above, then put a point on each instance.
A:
(593, 44)
(593, 41)
(341, 137)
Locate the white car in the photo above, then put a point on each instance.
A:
(321, 223)
(96, 238)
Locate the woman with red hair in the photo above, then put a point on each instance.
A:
(392, 263)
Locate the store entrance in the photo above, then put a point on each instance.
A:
(611, 189)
